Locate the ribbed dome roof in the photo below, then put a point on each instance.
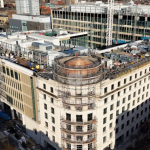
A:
(77, 61)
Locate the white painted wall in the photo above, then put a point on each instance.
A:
(41, 19)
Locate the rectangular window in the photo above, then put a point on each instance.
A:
(133, 110)
(117, 130)
(136, 125)
(16, 75)
(112, 86)
(104, 139)
(52, 90)
(127, 133)
(118, 94)
(139, 91)
(138, 100)
(111, 107)
(46, 116)
(89, 146)
(105, 90)
(46, 124)
(90, 117)
(44, 96)
(117, 112)
(133, 103)
(135, 75)
(79, 118)
(104, 129)
(7, 71)
(118, 83)
(104, 120)
(79, 128)
(130, 88)
(122, 118)
(132, 129)
(123, 101)
(123, 109)
(105, 111)
(105, 100)
(124, 90)
(4, 70)
(53, 120)
(134, 94)
(128, 113)
(53, 138)
(140, 73)
(110, 134)
(53, 128)
(44, 86)
(129, 97)
(46, 133)
(112, 97)
(135, 85)
(52, 100)
(146, 94)
(128, 122)
(68, 136)
(79, 147)
(68, 116)
(45, 106)
(110, 125)
(52, 110)
(69, 127)
(12, 74)
(124, 81)
(111, 116)
(128, 106)
(118, 103)
(130, 78)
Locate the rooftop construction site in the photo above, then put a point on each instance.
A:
(68, 62)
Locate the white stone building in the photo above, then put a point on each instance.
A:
(82, 108)
(81, 102)
(28, 7)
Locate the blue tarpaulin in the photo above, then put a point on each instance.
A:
(145, 38)
(4, 116)
(119, 41)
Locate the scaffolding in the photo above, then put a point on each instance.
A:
(2, 82)
(93, 19)
(30, 54)
(77, 92)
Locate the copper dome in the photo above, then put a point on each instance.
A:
(78, 62)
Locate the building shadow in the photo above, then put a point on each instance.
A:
(131, 126)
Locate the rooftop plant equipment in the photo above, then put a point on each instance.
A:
(54, 33)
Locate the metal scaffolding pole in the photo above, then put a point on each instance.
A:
(110, 13)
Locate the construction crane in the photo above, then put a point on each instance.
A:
(110, 13)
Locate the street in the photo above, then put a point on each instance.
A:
(4, 144)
